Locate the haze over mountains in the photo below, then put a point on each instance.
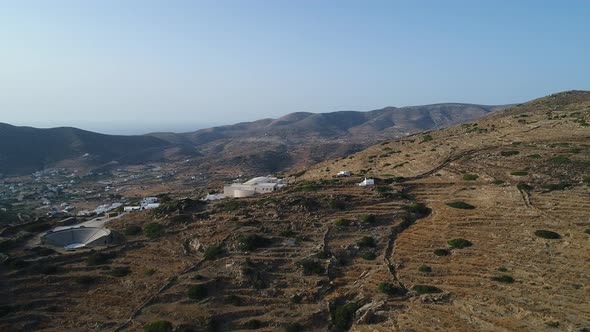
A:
(295, 139)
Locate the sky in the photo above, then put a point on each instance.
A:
(139, 66)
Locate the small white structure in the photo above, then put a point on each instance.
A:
(259, 185)
(131, 208)
(147, 203)
(343, 173)
(213, 197)
(149, 200)
(367, 182)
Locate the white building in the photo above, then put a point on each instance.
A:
(213, 197)
(343, 173)
(147, 203)
(259, 185)
(367, 182)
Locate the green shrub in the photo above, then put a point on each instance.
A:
(556, 186)
(470, 177)
(252, 242)
(153, 230)
(85, 280)
(312, 267)
(426, 138)
(553, 324)
(120, 271)
(523, 186)
(547, 234)
(442, 252)
(509, 153)
(461, 205)
(368, 218)
(37, 227)
(367, 242)
(233, 300)
(98, 258)
(519, 173)
(131, 230)
(560, 160)
(293, 327)
(197, 292)
(252, 324)
(382, 190)
(426, 289)
(586, 179)
(425, 269)
(368, 255)
(46, 269)
(212, 252)
(158, 326)
(417, 208)
(390, 289)
(497, 182)
(288, 233)
(343, 314)
(535, 156)
(502, 269)
(587, 231)
(505, 279)
(342, 222)
(459, 243)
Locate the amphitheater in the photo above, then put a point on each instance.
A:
(78, 237)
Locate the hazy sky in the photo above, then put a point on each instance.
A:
(140, 66)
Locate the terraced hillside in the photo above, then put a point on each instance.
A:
(479, 227)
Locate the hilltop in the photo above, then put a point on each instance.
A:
(262, 146)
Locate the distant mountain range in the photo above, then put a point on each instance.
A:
(266, 145)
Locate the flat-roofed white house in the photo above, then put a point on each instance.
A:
(259, 185)
(367, 182)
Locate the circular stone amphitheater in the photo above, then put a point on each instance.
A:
(78, 237)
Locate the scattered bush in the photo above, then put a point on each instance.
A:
(342, 222)
(470, 177)
(98, 258)
(560, 160)
(367, 242)
(233, 300)
(368, 218)
(153, 230)
(252, 324)
(288, 233)
(505, 279)
(586, 179)
(37, 227)
(120, 271)
(535, 156)
(197, 292)
(312, 267)
(556, 186)
(426, 138)
(547, 234)
(442, 252)
(509, 153)
(46, 269)
(553, 324)
(252, 242)
(417, 208)
(85, 280)
(459, 243)
(131, 230)
(212, 252)
(293, 327)
(497, 182)
(343, 314)
(390, 289)
(587, 231)
(502, 269)
(149, 272)
(519, 173)
(426, 289)
(461, 205)
(425, 269)
(382, 190)
(158, 326)
(368, 255)
(524, 186)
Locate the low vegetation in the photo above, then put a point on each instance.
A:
(509, 153)
(459, 243)
(342, 222)
(425, 269)
(213, 252)
(390, 289)
(312, 267)
(545, 234)
(197, 292)
(252, 324)
(253, 241)
(560, 160)
(293, 327)
(119, 272)
(519, 173)
(470, 177)
(99, 258)
(442, 252)
(132, 230)
(426, 289)
(367, 242)
(505, 279)
(368, 218)
(158, 326)
(461, 205)
(153, 230)
(368, 255)
(343, 314)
